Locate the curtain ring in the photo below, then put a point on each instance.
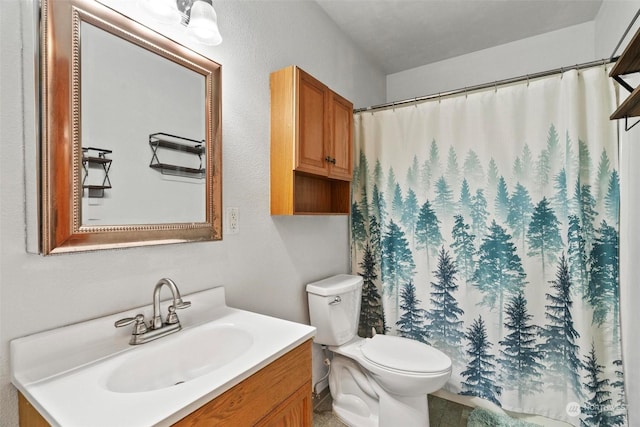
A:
(415, 102)
(439, 98)
(495, 86)
(465, 92)
(561, 72)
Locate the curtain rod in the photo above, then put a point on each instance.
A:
(486, 85)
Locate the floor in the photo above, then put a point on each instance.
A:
(442, 413)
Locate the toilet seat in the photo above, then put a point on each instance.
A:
(404, 355)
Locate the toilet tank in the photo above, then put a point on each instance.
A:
(334, 308)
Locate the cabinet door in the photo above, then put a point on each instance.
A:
(277, 395)
(296, 411)
(340, 141)
(312, 126)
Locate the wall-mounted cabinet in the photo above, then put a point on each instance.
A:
(311, 146)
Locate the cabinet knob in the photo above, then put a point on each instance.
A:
(330, 159)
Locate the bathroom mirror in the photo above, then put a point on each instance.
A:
(131, 138)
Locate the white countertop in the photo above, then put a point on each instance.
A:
(63, 372)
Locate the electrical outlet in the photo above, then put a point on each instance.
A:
(233, 220)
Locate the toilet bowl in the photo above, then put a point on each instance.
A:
(380, 381)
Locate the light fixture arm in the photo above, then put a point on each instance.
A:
(198, 16)
(184, 6)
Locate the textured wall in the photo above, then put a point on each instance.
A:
(264, 267)
(555, 49)
(612, 21)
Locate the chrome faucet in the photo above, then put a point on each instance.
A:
(157, 328)
(172, 318)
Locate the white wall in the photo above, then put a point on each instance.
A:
(264, 267)
(610, 26)
(613, 19)
(573, 45)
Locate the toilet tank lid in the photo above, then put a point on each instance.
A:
(334, 285)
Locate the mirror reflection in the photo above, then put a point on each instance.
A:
(160, 96)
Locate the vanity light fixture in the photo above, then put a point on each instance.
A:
(203, 22)
(198, 16)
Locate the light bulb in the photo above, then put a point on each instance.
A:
(203, 24)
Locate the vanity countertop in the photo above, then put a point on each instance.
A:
(65, 373)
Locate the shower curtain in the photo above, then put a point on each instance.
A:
(487, 225)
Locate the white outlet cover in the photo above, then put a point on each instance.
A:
(233, 221)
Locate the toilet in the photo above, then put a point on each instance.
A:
(381, 381)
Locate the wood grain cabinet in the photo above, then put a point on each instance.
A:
(311, 146)
(278, 395)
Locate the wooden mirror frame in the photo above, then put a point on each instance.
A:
(61, 140)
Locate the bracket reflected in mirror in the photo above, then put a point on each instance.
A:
(96, 158)
(158, 141)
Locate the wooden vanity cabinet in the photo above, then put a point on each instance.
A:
(278, 395)
(28, 415)
(311, 146)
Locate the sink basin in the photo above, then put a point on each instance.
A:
(191, 354)
(87, 374)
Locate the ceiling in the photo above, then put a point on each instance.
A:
(402, 34)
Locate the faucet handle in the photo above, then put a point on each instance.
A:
(180, 304)
(172, 317)
(139, 328)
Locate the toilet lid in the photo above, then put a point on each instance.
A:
(404, 354)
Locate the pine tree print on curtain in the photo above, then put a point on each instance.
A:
(488, 227)
(520, 355)
(596, 410)
(411, 322)
(371, 315)
(445, 327)
(480, 375)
